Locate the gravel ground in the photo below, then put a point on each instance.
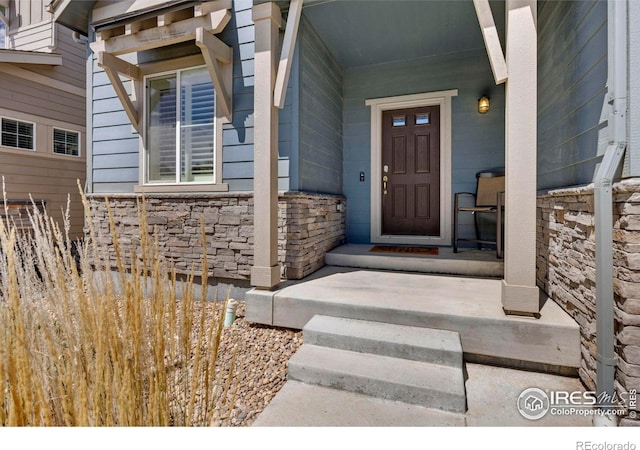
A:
(260, 366)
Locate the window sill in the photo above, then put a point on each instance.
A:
(17, 149)
(180, 188)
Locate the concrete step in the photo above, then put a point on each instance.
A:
(414, 382)
(413, 343)
(492, 393)
(468, 263)
(305, 405)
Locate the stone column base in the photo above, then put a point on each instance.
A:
(265, 277)
(520, 300)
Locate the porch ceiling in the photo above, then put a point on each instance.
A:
(366, 32)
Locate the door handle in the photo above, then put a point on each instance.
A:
(384, 184)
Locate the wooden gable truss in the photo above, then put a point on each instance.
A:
(197, 23)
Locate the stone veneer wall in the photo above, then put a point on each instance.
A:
(566, 272)
(309, 225)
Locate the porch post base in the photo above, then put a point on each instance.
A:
(265, 277)
(259, 306)
(520, 300)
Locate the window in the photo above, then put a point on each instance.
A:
(3, 35)
(423, 119)
(66, 142)
(399, 121)
(180, 127)
(17, 134)
(3, 28)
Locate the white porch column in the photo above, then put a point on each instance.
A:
(519, 291)
(265, 273)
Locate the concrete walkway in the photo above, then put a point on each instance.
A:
(469, 306)
(492, 393)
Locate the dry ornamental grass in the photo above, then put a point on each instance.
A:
(80, 348)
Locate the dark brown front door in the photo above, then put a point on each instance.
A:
(411, 171)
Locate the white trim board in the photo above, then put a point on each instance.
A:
(30, 57)
(41, 79)
(378, 106)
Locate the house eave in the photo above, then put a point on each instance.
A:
(104, 20)
(284, 4)
(72, 14)
(26, 57)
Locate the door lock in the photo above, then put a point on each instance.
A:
(384, 184)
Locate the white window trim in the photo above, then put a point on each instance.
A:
(5, 22)
(378, 106)
(53, 146)
(33, 136)
(189, 186)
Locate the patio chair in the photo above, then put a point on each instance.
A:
(488, 199)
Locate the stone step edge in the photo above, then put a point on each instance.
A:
(385, 377)
(430, 345)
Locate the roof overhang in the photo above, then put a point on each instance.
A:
(79, 15)
(25, 57)
(72, 14)
(284, 4)
(108, 15)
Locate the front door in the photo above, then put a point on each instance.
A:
(411, 171)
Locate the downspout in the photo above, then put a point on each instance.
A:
(603, 204)
(54, 35)
(91, 36)
(50, 8)
(79, 39)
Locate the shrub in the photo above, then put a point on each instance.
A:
(82, 345)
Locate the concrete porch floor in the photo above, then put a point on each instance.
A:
(471, 306)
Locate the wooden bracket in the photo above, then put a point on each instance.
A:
(218, 57)
(491, 40)
(199, 23)
(202, 9)
(113, 67)
(130, 71)
(286, 56)
(163, 36)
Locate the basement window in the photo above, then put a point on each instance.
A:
(66, 142)
(17, 134)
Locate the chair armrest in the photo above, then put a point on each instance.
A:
(456, 199)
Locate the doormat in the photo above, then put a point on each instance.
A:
(401, 249)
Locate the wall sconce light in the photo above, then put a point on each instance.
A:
(483, 104)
